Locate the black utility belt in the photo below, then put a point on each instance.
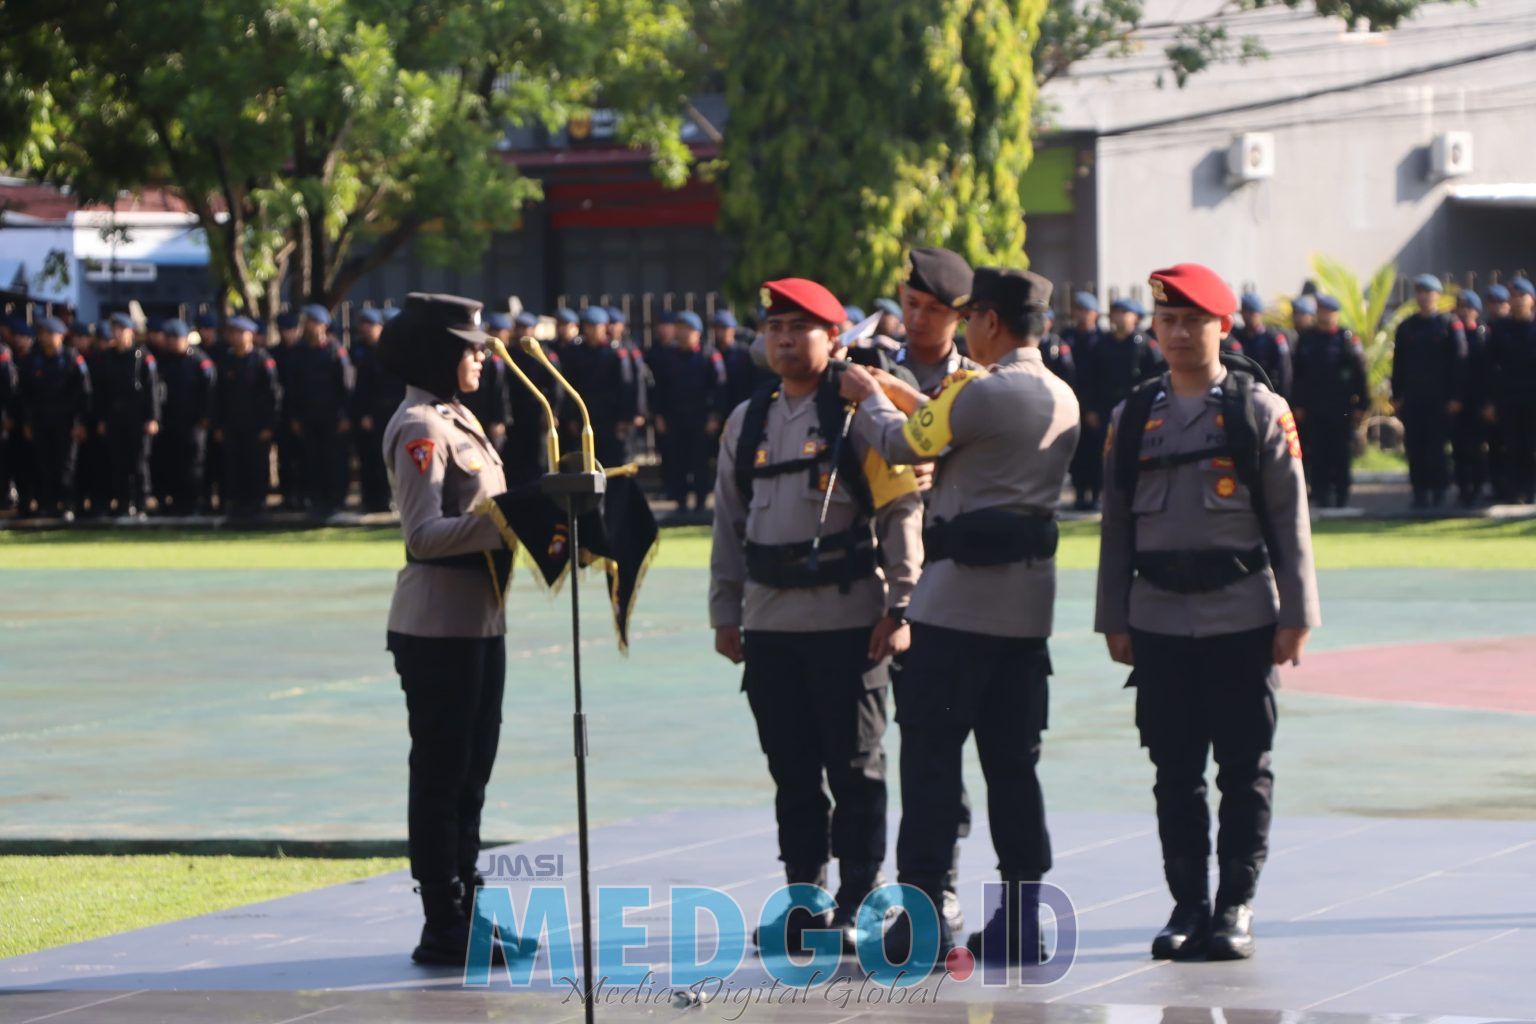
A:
(1199, 572)
(843, 559)
(473, 560)
(992, 536)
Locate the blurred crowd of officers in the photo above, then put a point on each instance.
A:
(100, 419)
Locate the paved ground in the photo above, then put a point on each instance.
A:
(1355, 916)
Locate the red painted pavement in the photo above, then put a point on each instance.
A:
(1488, 674)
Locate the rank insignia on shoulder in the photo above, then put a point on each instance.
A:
(420, 451)
(1292, 437)
(1226, 486)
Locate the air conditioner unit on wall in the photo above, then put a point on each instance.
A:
(1251, 157)
(1450, 155)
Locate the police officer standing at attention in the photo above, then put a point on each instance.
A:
(1429, 365)
(246, 411)
(1265, 345)
(126, 401)
(1206, 583)
(55, 398)
(1469, 433)
(446, 623)
(817, 545)
(1120, 359)
(181, 447)
(376, 394)
(983, 607)
(490, 402)
(937, 279)
(1512, 353)
(1081, 336)
(525, 446)
(317, 401)
(1330, 400)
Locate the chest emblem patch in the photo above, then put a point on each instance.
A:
(1226, 486)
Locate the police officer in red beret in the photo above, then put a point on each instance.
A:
(1206, 584)
(817, 548)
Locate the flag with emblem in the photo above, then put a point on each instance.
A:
(621, 535)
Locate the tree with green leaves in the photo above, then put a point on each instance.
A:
(314, 139)
(860, 130)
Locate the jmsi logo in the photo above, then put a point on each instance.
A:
(520, 865)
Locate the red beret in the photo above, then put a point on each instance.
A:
(1190, 284)
(809, 296)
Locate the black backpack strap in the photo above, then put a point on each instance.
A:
(1128, 432)
(754, 427)
(1246, 445)
(831, 411)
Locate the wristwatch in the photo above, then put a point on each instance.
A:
(897, 615)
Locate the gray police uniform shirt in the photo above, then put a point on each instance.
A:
(931, 376)
(1013, 432)
(1204, 505)
(784, 510)
(441, 465)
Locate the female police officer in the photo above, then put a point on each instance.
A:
(446, 624)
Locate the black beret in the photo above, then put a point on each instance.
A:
(1013, 293)
(943, 274)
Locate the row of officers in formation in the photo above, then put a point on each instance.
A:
(885, 529)
(99, 420)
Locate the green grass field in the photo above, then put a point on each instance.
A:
(1341, 544)
(49, 901)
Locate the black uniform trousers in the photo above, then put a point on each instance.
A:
(54, 450)
(820, 713)
(1517, 429)
(290, 466)
(93, 473)
(324, 464)
(1469, 455)
(1325, 446)
(177, 466)
(1426, 431)
(128, 462)
(1201, 695)
(453, 688)
(685, 469)
(373, 477)
(247, 468)
(955, 683)
(1088, 463)
(22, 466)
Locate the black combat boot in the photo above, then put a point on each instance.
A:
(473, 880)
(799, 920)
(1189, 926)
(1232, 929)
(898, 938)
(445, 936)
(1012, 936)
(856, 880)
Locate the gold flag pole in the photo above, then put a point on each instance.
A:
(588, 447)
(551, 433)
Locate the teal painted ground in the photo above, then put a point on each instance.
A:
(261, 703)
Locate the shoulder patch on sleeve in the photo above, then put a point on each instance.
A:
(928, 430)
(1292, 438)
(420, 451)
